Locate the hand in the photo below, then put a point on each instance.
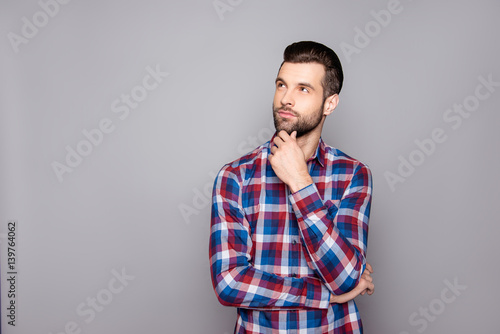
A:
(365, 285)
(288, 161)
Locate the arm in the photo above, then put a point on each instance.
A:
(334, 232)
(365, 286)
(235, 280)
(335, 236)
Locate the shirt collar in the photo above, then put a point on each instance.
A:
(319, 154)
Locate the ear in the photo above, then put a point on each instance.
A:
(331, 103)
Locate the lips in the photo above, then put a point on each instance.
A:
(286, 114)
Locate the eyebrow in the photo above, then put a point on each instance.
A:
(304, 84)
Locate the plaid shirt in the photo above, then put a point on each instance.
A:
(279, 256)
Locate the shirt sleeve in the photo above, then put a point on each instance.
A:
(236, 281)
(335, 232)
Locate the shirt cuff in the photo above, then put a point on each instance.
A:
(306, 200)
(315, 301)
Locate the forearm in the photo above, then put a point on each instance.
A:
(238, 283)
(334, 258)
(335, 234)
(248, 287)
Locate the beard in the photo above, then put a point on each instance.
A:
(302, 124)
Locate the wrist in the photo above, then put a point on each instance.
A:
(300, 183)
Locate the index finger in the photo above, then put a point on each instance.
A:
(283, 135)
(369, 268)
(278, 141)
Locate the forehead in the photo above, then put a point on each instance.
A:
(294, 73)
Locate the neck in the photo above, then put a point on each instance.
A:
(309, 142)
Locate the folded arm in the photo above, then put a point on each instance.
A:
(236, 281)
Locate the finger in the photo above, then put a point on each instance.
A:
(294, 135)
(367, 277)
(369, 267)
(283, 135)
(277, 141)
(366, 273)
(362, 285)
(371, 289)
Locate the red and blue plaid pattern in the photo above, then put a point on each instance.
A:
(278, 256)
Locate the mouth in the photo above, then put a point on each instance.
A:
(286, 114)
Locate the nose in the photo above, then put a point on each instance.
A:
(287, 99)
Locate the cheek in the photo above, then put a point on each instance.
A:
(277, 98)
(305, 103)
(316, 104)
(311, 107)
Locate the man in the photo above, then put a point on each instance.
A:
(290, 219)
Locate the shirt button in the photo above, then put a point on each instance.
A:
(294, 275)
(294, 242)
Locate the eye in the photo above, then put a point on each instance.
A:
(304, 90)
(280, 85)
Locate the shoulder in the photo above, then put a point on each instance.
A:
(341, 162)
(244, 167)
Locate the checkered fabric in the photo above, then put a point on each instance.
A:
(278, 256)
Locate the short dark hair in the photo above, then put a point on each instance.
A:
(314, 52)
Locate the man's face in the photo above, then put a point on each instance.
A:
(298, 99)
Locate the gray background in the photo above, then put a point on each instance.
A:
(138, 201)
